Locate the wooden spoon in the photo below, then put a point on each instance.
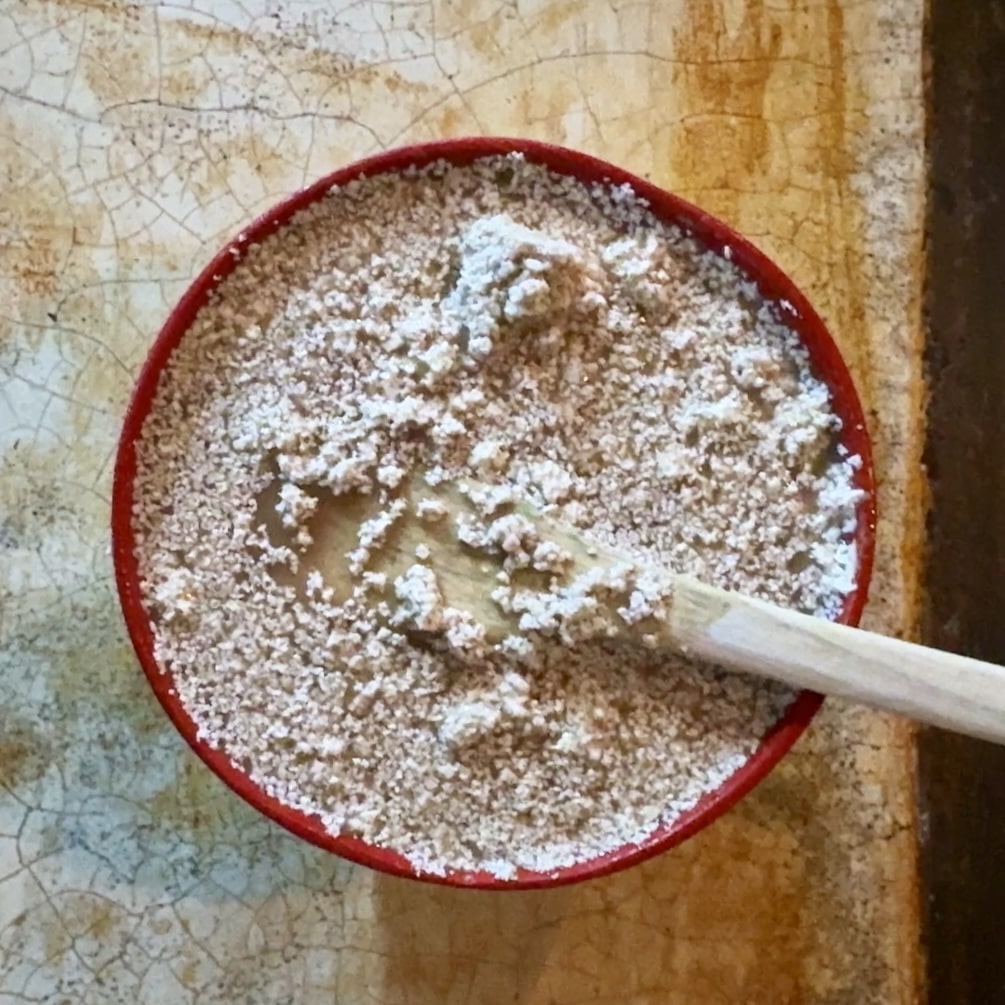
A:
(724, 628)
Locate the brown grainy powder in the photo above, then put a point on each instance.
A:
(512, 325)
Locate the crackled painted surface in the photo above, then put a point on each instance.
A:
(133, 140)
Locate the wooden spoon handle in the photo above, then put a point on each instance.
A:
(742, 634)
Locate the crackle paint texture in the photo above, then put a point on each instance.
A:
(134, 139)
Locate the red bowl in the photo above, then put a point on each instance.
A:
(773, 284)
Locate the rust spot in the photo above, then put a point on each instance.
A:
(94, 922)
(25, 754)
(118, 52)
(56, 940)
(556, 18)
(113, 7)
(543, 109)
(483, 36)
(450, 121)
(162, 86)
(845, 224)
(724, 141)
(103, 923)
(42, 228)
(38, 230)
(198, 806)
(189, 973)
(285, 61)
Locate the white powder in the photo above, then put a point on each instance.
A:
(505, 324)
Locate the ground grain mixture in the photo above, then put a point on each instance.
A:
(512, 325)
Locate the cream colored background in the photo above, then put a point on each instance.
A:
(135, 139)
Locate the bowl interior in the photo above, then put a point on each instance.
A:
(773, 284)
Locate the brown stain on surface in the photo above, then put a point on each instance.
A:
(449, 121)
(37, 232)
(747, 113)
(555, 18)
(189, 973)
(42, 231)
(543, 108)
(844, 227)
(25, 753)
(747, 127)
(174, 105)
(752, 120)
(198, 807)
(116, 61)
(267, 58)
(724, 138)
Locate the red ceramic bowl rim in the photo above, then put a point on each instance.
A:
(773, 284)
